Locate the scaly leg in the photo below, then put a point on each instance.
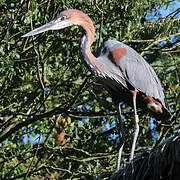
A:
(122, 137)
(136, 129)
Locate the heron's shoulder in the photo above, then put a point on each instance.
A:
(109, 46)
(114, 44)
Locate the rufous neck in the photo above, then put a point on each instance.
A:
(90, 32)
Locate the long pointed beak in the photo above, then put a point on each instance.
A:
(53, 25)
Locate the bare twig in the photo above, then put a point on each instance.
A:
(24, 60)
(158, 41)
(54, 87)
(101, 25)
(30, 165)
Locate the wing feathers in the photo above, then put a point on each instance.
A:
(133, 68)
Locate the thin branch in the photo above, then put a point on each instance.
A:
(101, 26)
(78, 93)
(174, 12)
(158, 41)
(38, 70)
(30, 165)
(94, 115)
(59, 169)
(24, 60)
(24, 174)
(86, 153)
(162, 66)
(54, 87)
(91, 158)
(15, 126)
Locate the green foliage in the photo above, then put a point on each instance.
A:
(46, 88)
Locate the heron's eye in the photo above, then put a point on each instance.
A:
(62, 18)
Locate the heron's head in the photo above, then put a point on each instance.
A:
(65, 19)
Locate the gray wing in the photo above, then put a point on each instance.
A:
(136, 71)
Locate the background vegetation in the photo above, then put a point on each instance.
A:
(56, 121)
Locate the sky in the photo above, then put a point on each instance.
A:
(163, 12)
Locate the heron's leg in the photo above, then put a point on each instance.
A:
(136, 129)
(122, 137)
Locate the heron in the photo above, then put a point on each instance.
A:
(124, 72)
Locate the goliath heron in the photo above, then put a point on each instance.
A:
(125, 74)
